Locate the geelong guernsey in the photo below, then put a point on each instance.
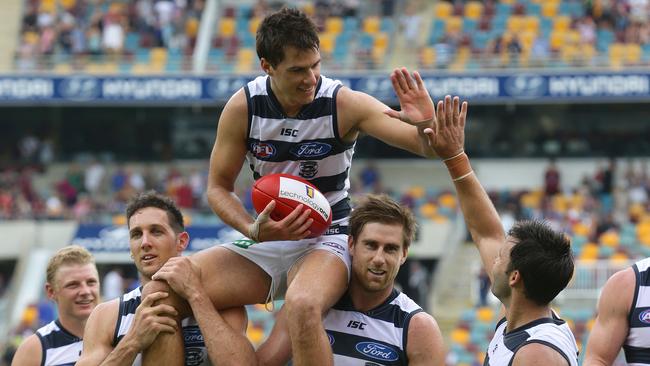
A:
(637, 344)
(60, 347)
(553, 332)
(376, 337)
(195, 352)
(307, 145)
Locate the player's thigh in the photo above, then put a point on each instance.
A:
(230, 279)
(319, 276)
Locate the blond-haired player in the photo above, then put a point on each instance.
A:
(73, 283)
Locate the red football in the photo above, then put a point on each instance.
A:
(289, 191)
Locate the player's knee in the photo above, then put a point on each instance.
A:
(300, 305)
(172, 299)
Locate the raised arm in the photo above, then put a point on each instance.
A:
(424, 343)
(360, 112)
(223, 332)
(29, 353)
(612, 325)
(480, 215)
(226, 160)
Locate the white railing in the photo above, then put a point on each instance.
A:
(589, 278)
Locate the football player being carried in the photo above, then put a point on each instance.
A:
(296, 121)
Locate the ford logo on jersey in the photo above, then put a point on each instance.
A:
(644, 317)
(377, 351)
(330, 338)
(311, 149)
(192, 336)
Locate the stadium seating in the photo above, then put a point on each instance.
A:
(555, 24)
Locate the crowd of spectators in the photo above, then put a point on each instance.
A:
(96, 28)
(571, 32)
(575, 32)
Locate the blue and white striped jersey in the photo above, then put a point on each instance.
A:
(307, 145)
(375, 337)
(552, 332)
(196, 354)
(60, 347)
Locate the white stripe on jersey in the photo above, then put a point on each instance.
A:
(643, 299)
(638, 337)
(63, 355)
(269, 129)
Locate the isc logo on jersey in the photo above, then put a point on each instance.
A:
(644, 317)
(377, 351)
(300, 192)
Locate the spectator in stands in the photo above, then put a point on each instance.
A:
(551, 179)
(528, 267)
(113, 284)
(483, 286)
(73, 283)
(370, 178)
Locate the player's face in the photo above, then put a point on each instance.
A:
(501, 279)
(75, 290)
(152, 240)
(377, 254)
(294, 79)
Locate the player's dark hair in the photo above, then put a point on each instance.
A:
(544, 259)
(287, 27)
(154, 199)
(384, 210)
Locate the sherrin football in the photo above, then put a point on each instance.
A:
(289, 191)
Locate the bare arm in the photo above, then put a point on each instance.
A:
(360, 112)
(226, 160)
(425, 345)
(100, 327)
(223, 333)
(480, 215)
(537, 354)
(29, 353)
(611, 327)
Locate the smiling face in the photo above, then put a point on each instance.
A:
(294, 79)
(377, 253)
(75, 289)
(153, 241)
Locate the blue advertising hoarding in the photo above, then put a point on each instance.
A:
(102, 238)
(504, 87)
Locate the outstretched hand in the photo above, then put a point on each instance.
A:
(415, 103)
(448, 136)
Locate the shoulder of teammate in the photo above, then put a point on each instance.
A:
(424, 341)
(618, 292)
(29, 353)
(538, 354)
(236, 105)
(234, 116)
(100, 326)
